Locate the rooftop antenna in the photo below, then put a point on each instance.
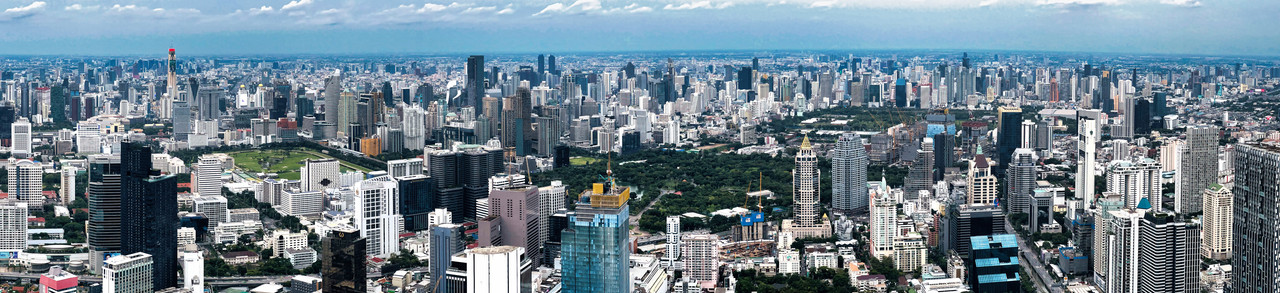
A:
(759, 206)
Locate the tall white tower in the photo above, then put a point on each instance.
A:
(673, 240)
(193, 271)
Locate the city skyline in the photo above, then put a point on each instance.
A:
(414, 27)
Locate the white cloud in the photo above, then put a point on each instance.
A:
(698, 5)
(578, 7)
(22, 11)
(630, 8)
(986, 3)
(823, 4)
(126, 8)
(1183, 3)
(261, 10)
(295, 4)
(506, 10)
(79, 7)
(480, 9)
(1077, 3)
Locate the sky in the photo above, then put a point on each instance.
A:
(252, 27)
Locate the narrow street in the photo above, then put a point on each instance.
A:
(635, 220)
(1031, 262)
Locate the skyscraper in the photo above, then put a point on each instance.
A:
(13, 226)
(883, 223)
(1254, 247)
(550, 200)
(944, 154)
(806, 181)
(475, 82)
(208, 176)
(849, 174)
(1168, 254)
(920, 175)
(595, 248)
(517, 131)
(673, 241)
(376, 215)
(1009, 137)
(1198, 167)
(498, 269)
(983, 185)
(1135, 181)
(1086, 159)
(320, 174)
(149, 213)
(333, 98)
(342, 268)
(701, 257)
(21, 130)
(994, 264)
(417, 199)
(26, 183)
(103, 227)
(516, 208)
(1217, 208)
(446, 240)
(1021, 180)
(132, 273)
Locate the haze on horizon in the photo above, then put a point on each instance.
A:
(129, 27)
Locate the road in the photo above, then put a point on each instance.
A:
(635, 220)
(1032, 263)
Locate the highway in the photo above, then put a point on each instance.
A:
(1032, 263)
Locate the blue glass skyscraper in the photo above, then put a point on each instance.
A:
(595, 250)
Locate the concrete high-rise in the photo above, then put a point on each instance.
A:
(446, 240)
(595, 248)
(1217, 207)
(103, 226)
(550, 200)
(131, 273)
(1021, 180)
(701, 257)
(67, 187)
(517, 131)
(805, 184)
(376, 215)
(920, 175)
(673, 241)
(1008, 137)
(214, 207)
(207, 176)
(149, 213)
(1198, 167)
(26, 183)
(1257, 182)
(1135, 181)
(21, 130)
(883, 223)
(318, 175)
(333, 98)
(404, 167)
(983, 186)
(515, 209)
(849, 174)
(13, 226)
(1168, 254)
(1086, 160)
(498, 269)
(343, 265)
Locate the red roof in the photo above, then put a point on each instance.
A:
(184, 185)
(407, 234)
(980, 161)
(36, 220)
(50, 194)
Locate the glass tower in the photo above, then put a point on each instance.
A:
(595, 249)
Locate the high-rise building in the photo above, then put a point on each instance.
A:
(475, 85)
(214, 207)
(1168, 254)
(342, 268)
(333, 98)
(376, 216)
(149, 213)
(969, 220)
(1021, 180)
(920, 175)
(1257, 170)
(131, 273)
(193, 270)
(884, 223)
(417, 199)
(1198, 167)
(1009, 137)
(1135, 181)
(463, 177)
(701, 257)
(317, 175)
(208, 176)
(595, 247)
(404, 167)
(103, 226)
(58, 281)
(498, 269)
(993, 266)
(1086, 159)
(67, 187)
(21, 130)
(806, 181)
(983, 185)
(1217, 207)
(673, 241)
(849, 174)
(13, 226)
(550, 200)
(26, 183)
(446, 240)
(516, 209)
(944, 155)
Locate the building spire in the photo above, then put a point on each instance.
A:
(805, 144)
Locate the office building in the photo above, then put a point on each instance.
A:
(58, 281)
(376, 216)
(673, 241)
(103, 226)
(131, 273)
(966, 221)
(595, 247)
(517, 130)
(1008, 137)
(417, 199)
(149, 209)
(1087, 143)
(1168, 254)
(26, 183)
(342, 268)
(13, 226)
(806, 182)
(1198, 167)
(207, 178)
(67, 185)
(1254, 266)
(550, 200)
(301, 203)
(213, 207)
(994, 265)
(21, 145)
(320, 174)
(463, 177)
(475, 84)
(920, 174)
(515, 209)
(883, 222)
(1021, 180)
(193, 270)
(446, 240)
(1217, 208)
(701, 257)
(404, 167)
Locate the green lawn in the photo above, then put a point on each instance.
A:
(578, 161)
(286, 163)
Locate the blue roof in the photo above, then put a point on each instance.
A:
(1144, 204)
(997, 278)
(994, 262)
(1001, 241)
(752, 218)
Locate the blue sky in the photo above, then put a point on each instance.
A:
(122, 27)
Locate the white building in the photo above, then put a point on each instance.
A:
(494, 269)
(701, 256)
(193, 270)
(13, 225)
(1136, 181)
(884, 221)
(127, 273)
(213, 207)
(550, 199)
(438, 217)
(301, 203)
(207, 178)
(316, 172)
(405, 167)
(281, 240)
(1217, 221)
(67, 189)
(673, 241)
(815, 260)
(375, 207)
(788, 261)
(26, 182)
(88, 138)
(910, 252)
(21, 138)
(186, 235)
